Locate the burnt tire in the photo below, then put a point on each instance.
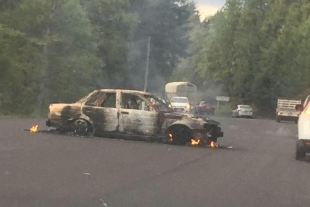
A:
(81, 127)
(180, 135)
(300, 152)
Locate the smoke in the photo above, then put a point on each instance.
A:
(164, 22)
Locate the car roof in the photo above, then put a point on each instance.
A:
(180, 97)
(125, 91)
(244, 105)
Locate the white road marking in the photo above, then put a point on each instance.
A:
(104, 204)
(233, 127)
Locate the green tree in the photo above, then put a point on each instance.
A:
(185, 70)
(62, 35)
(113, 23)
(257, 49)
(217, 58)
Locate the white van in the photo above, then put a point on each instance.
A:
(180, 104)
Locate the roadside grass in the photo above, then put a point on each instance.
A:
(225, 110)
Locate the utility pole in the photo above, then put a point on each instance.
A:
(147, 64)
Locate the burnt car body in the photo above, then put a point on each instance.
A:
(130, 114)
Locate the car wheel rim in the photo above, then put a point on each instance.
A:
(80, 127)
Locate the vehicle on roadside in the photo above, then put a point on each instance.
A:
(129, 114)
(286, 109)
(206, 108)
(303, 142)
(180, 104)
(242, 111)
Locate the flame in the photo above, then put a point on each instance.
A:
(170, 136)
(213, 144)
(195, 141)
(34, 128)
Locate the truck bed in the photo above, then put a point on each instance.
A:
(287, 104)
(286, 109)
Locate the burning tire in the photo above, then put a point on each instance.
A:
(180, 135)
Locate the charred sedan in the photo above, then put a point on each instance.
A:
(129, 114)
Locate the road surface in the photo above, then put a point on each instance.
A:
(48, 170)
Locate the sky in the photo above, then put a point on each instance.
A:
(209, 7)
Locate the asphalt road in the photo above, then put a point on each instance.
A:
(47, 170)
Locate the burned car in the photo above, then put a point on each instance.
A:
(130, 114)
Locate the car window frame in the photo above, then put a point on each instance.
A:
(86, 102)
(147, 102)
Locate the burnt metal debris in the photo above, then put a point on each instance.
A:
(130, 114)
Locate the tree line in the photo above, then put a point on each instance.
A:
(59, 50)
(258, 50)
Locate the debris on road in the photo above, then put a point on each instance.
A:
(104, 203)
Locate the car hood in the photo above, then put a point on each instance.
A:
(190, 117)
(179, 104)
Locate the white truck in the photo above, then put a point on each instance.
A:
(303, 135)
(286, 109)
(182, 89)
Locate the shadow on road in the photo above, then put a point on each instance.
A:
(307, 159)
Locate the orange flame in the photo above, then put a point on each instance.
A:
(213, 144)
(195, 141)
(34, 128)
(170, 136)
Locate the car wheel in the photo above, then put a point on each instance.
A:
(180, 135)
(80, 127)
(300, 152)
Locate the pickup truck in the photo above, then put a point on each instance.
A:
(286, 109)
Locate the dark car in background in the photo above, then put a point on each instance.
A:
(205, 108)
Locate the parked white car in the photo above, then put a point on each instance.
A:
(242, 111)
(303, 125)
(180, 104)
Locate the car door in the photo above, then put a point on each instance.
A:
(102, 109)
(137, 116)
